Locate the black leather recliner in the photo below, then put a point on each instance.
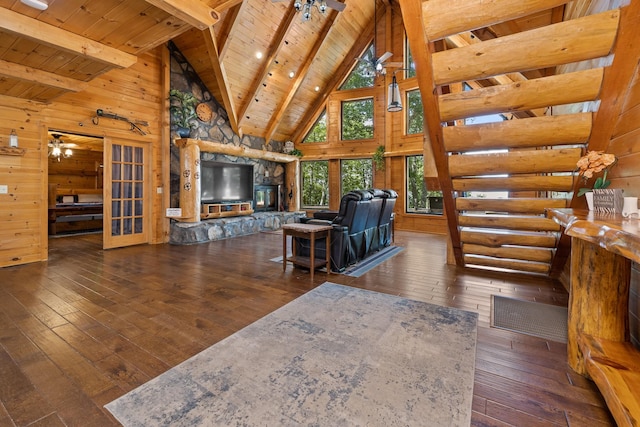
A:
(360, 228)
(385, 227)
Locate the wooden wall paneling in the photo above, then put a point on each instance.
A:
(21, 221)
(134, 93)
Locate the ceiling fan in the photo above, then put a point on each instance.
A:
(377, 66)
(59, 148)
(322, 5)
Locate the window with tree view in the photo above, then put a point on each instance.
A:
(357, 174)
(315, 183)
(415, 112)
(318, 132)
(419, 198)
(361, 76)
(357, 119)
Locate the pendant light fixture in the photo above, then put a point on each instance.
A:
(394, 103)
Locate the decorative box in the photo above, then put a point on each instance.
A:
(609, 200)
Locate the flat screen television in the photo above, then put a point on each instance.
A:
(226, 182)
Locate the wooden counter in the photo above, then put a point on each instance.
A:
(602, 248)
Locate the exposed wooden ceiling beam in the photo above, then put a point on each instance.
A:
(223, 29)
(232, 29)
(302, 74)
(210, 42)
(22, 72)
(222, 5)
(65, 40)
(274, 50)
(345, 68)
(193, 12)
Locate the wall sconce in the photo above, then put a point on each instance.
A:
(13, 138)
(395, 99)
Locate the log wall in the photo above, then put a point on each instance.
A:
(136, 93)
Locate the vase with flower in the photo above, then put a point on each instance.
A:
(590, 164)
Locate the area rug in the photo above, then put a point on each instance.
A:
(336, 356)
(530, 318)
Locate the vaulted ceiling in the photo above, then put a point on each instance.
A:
(44, 54)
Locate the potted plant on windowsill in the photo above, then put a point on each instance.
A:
(183, 111)
(592, 163)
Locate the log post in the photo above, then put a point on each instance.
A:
(189, 179)
(598, 298)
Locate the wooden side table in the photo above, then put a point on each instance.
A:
(310, 232)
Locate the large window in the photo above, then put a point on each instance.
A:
(420, 199)
(315, 183)
(318, 132)
(415, 112)
(409, 64)
(357, 119)
(357, 174)
(362, 75)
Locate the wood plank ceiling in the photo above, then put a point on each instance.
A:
(44, 54)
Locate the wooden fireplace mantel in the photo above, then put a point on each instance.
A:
(190, 150)
(598, 342)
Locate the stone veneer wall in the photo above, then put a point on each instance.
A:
(185, 233)
(218, 129)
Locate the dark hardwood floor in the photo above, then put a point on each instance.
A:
(89, 325)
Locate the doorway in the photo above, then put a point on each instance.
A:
(97, 185)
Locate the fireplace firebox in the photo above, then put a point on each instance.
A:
(266, 198)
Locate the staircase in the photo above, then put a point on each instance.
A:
(515, 76)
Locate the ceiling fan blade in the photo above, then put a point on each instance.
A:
(393, 64)
(336, 5)
(384, 57)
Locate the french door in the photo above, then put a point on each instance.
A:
(127, 211)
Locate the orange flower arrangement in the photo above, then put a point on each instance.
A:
(594, 162)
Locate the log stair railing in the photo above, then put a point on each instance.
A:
(538, 154)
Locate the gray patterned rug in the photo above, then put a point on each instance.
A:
(336, 356)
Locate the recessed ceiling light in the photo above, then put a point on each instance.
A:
(317, 88)
(36, 4)
(291, 74)
(259, 55)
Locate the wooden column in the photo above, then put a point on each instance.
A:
(598, 299)
(189, 179)
(292, 173)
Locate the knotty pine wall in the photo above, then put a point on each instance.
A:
(137, 93)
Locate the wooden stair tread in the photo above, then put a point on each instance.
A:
(541, 131)
(515, 162)
(493, 237)
(511, 252)
(515, 183)
(517, 222)
(510, 264)
(527, 205)
(615, 368)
